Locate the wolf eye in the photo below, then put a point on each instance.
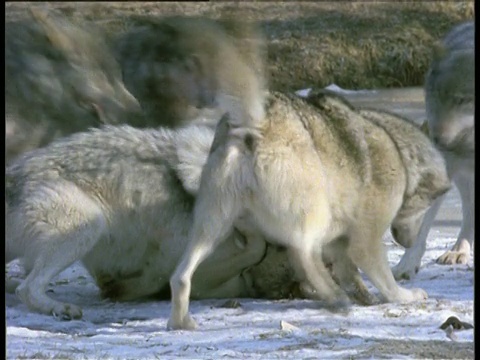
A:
(92, 109)
(100, 113)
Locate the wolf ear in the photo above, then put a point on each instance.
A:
(221, 132)
(424, 128)
(53, 32)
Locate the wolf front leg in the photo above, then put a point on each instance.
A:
(460, 252)
(409, 264)
(368, 253)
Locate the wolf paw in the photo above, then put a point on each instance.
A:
(413, 295)
(41, 303)
(405, 269)
(340, 304)
(186, 324)
(363, 297)
(454, 257)
(419, 294)
(67, 312)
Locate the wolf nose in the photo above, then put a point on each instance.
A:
(439, 140)
(436, 139)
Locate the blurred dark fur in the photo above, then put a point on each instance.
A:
(60, 78)
(176, 66)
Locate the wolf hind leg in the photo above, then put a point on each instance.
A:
(309, 265)
(200, 247)
(346, 273)
(214, 215)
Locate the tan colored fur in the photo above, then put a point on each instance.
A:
(308, 173)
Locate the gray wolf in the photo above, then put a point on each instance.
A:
(60, 78)
(310, 173)
(450, 105)
(176, 66)
(120, 200)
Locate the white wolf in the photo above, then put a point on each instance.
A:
(310, 173)
(450, 105)
(120, 199)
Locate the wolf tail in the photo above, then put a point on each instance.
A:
(242, 84)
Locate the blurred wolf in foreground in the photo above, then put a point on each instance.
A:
(60, 78)
(450, 105)
(320, 178)
(179, 66)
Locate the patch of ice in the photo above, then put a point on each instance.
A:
(339, 90)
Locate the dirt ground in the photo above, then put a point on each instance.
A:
(311, 44)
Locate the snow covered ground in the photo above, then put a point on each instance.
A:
(260, 329)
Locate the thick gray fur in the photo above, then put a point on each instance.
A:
(450, 106)
(178, 66)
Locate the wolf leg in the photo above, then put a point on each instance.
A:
(409, 264)
(370, 256)
(200, 247)
(316, 274)
(62, 233)
(345, 272)
(214, 214)
(460, 252)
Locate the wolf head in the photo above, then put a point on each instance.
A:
(433, 182)
(165, 65)
(178, 65)
(65, 73)
(450, 92)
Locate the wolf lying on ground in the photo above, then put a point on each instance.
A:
(60, 78)
(450, 105)
(120, 200)
(176, 66)
(312, 174)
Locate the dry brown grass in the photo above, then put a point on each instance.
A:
(353, 44)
